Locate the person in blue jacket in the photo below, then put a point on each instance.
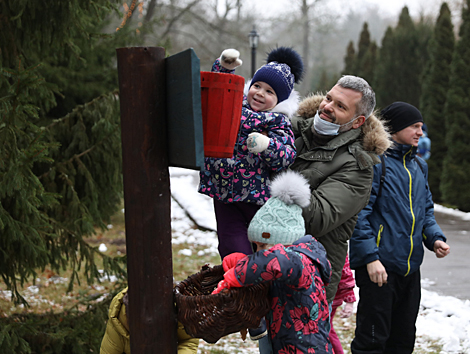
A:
(387, 245)
(424, 144)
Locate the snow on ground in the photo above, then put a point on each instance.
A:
(442, 318)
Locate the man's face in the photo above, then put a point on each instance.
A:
(339, 106)
(410, 135)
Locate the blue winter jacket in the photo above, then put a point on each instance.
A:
(245, 177)
(298, 321)
(392, 228)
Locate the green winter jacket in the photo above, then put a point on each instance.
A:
(116, 339)
(340, 176)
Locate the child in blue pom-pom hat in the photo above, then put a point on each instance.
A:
(265, 145)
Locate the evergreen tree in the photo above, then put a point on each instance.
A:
(402, 57)
(384, 87)
(349, 60)
(455, 180)
(60, 168)
(369, 64)
(362, 48)
(434, 94)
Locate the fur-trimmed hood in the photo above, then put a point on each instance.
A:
(375, 136)
(288, 107)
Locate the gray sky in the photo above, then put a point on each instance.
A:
(391, 7)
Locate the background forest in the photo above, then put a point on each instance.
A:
(60, 155)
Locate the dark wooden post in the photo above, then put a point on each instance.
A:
(142, 83)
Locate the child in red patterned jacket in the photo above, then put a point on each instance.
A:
(293, 263)
(345, 293)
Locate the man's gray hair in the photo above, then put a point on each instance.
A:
(366, 105)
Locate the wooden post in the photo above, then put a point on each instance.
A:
(151, 313)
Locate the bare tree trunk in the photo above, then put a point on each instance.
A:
(150, 10)
(305, 23)
(307, 57)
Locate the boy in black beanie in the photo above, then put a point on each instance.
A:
(386, 248)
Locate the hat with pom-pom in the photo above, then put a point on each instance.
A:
(280, 219)
(284, 68)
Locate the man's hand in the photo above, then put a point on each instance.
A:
(229, 59)
(441, 249)
(377, 272)
(347, 310)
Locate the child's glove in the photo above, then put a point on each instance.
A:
(347, 310)
(229, 281)
(257, 142)
(229, 59)
(231, 260)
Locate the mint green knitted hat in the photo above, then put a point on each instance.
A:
(280, 219)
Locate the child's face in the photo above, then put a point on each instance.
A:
(262, 246)
(261, 97)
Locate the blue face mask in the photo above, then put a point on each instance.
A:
(324, 127)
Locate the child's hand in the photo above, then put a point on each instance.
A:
(347, 310)
(231, 260)
(229, 281)
(257, 142)
(229, 59)
(221, 286)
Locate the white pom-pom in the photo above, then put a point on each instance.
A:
(291, 188)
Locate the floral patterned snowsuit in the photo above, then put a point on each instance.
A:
(298, 321)
(245, 177)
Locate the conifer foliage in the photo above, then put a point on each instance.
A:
(434, 95)
(362, 63)
(455, 179)
(402, 57)
(60, 176)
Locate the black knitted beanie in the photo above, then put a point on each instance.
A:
(400, 115)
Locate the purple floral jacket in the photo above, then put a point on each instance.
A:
(245, 177)
(298, 321)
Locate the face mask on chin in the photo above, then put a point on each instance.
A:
(324, 127)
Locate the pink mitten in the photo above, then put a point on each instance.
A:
(230, 281)
(347, 310)
(231, 260)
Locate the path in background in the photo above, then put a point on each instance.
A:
(450, 275)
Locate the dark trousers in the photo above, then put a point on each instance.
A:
(386, 316)
(232, 226)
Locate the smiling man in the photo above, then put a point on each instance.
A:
(387, 245)
(338, 139)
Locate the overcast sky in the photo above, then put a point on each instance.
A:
(392, 7)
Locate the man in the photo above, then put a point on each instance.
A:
(386, 248)
(338, 139)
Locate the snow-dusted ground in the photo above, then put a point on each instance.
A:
(442, 318)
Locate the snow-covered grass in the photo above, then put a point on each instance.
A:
(443, 325)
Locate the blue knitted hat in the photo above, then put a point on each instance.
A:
(280, 219)
(284, 68)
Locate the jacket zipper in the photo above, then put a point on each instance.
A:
(379, 236)
(412, 213)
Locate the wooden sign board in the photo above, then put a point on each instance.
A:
(184, 115)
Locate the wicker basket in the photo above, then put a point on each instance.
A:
(211, 317)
